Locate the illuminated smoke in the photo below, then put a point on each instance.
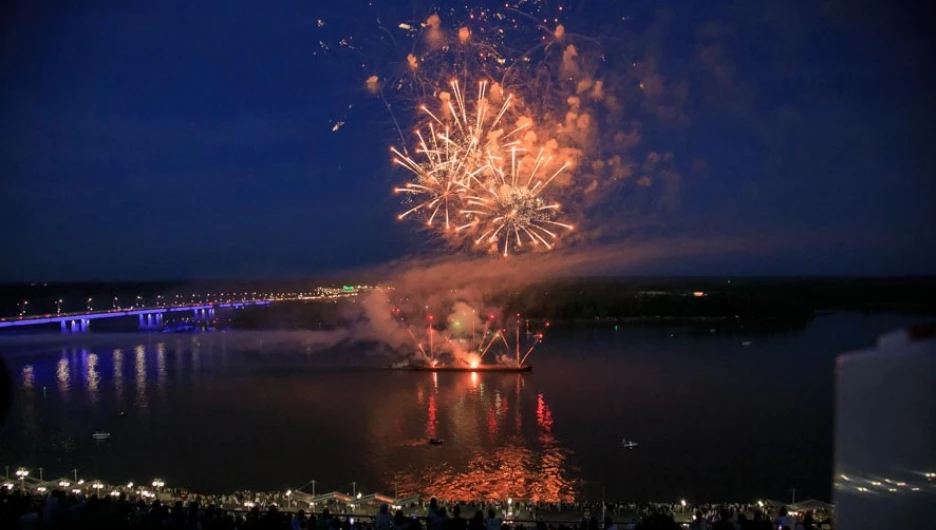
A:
(372, 84)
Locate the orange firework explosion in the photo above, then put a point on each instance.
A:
(460, 172)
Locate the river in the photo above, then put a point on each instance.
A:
(715, 419)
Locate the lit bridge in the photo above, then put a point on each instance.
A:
(149, 317)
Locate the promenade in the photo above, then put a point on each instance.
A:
(23, 494)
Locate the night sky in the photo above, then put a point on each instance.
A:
(186, 140)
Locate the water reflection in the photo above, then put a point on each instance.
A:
(543, 415)
(92, 378)
(29, 400)
(161, 369)
(196, 357)
(29, 378)
(482, 458)
(118, 374)
(62, 375)
(139, 366)
(431, 422)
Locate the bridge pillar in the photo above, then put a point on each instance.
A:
(74, 326)
(64, 326)
(149, 321)
(159, 317)
(85, 322)
(211, 312)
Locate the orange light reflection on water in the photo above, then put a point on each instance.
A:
(543, 415)
(505, 472)
(432, 422)
(494, 460)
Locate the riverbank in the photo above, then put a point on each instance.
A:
(105, 503)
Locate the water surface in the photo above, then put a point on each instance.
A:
(217, 412)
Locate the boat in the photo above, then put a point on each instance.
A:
(628, 444)
(100, 435)
(746, 343)
(122, 414)
(493, 368)
(435, 441)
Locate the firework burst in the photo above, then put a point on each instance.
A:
(437, 180)
(452, 156)
(460, 176)
(511, 207)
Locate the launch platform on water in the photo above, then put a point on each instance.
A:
(492, 368)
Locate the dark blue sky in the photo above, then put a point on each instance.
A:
(173, 140)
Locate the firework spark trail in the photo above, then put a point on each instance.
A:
(490, 343)
(416, 342)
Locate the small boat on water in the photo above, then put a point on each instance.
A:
(628, 444)
(100, 435)
(435, 441)
(746, 343)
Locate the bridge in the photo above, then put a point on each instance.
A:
(149, 317)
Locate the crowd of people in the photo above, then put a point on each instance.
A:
(20, 509)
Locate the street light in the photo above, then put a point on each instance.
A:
(22, 473)
(90, 308)
(23, 307)
(58, 307)
(115, 302)
(158, 483)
